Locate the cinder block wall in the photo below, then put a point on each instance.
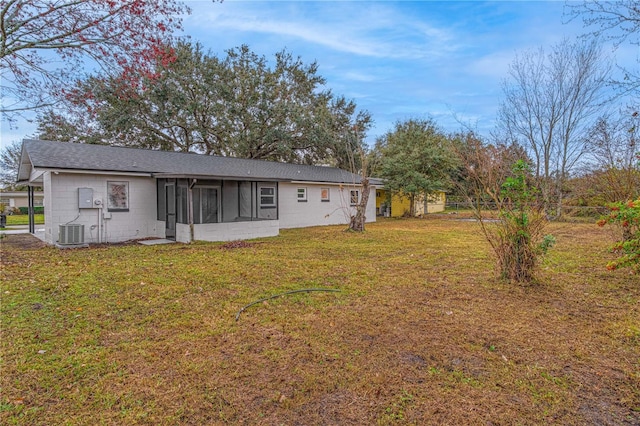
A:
(100, 225)
(315, 212)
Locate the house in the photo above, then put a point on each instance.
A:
(19, 200)
(396, 205)
(97, 194)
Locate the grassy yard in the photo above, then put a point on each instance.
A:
(23, 219)
(421, 332)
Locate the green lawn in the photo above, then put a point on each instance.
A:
(23, 219)
(420, 333)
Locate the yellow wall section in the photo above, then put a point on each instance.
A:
(401, 205)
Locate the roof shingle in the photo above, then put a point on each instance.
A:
(75, 156)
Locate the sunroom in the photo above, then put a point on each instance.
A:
(217, 209)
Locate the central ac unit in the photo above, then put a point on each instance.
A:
(71, 234)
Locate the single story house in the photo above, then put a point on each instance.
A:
(98, 193)
(397, 205)
(14, 200)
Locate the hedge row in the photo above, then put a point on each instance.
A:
(36, 210)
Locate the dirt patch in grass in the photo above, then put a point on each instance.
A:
(237, 244)
(420, 333)
(20, 242)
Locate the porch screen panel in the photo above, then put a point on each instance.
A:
(244, 194)
(161, 199)
(181, 200)
(196, 205)
(209, 205)
(230, 203)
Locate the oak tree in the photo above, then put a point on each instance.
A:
(240, 105)
(416, 159)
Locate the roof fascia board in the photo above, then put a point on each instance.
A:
(94, 172)
(310, 182)
(216, 177)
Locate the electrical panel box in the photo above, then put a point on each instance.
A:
(85, 198)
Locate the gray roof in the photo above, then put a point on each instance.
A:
(86, 157)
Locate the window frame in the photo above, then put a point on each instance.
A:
(325, 194)
(357, 195)
(273, 195)
(304, 194)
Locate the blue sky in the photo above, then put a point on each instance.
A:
(396, 59)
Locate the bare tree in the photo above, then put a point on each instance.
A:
(360, 165)
(616, 21)
(44, 43)
(496, 177)
(549, 102)
(614, 145)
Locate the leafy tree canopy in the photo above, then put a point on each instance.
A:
(238, 106)
(415, 159)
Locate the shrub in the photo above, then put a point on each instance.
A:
(518, 239)
(626, 216)
(36, 210)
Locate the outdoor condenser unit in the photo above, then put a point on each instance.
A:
(71, 234)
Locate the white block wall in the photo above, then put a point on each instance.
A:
(61, 207)
(232, 231)
(315, 212)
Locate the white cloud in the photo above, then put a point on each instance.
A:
(367, 29)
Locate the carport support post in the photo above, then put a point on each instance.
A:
(32, 224)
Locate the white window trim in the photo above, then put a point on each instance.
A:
(260, 195)
(303, 193)
(351, 197)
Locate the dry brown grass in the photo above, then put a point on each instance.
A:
(421, 333)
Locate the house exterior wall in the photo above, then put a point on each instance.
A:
(16, 200)
(48, 208)
(436, 203)
(100, 225)
(400, 206)
(294, 213)
(231, 231)
(61, 200)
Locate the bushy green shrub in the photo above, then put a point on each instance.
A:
(36, 210)
(520, 238)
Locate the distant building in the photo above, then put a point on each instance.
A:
(13, 200)
(397, 205)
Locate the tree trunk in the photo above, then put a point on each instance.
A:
(358, 220)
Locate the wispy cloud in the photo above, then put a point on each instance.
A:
(363, 29)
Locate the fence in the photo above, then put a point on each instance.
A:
(568, 212)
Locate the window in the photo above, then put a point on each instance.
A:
(267, 197)
(182, 191)
(324, 194)
(302, 194)
(355, 196)
(118, 196)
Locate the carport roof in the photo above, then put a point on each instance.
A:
(38, 154)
